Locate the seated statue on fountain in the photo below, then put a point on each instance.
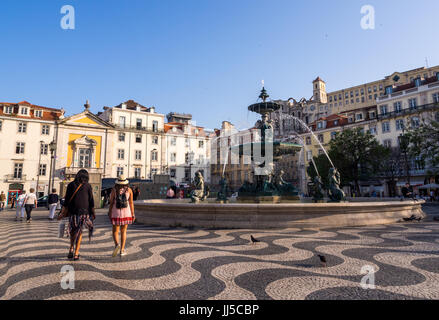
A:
(281, 185)
(224, 189)
(335, 193)
(200, 193)
(318, 189)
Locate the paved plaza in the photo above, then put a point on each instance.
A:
(181, 264)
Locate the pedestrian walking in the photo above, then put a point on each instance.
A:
(19, 211)
(79, 208)
(2, 201)
(121, 213)
(30, 203)
(136, 193)
(13, 200)
(53, 203)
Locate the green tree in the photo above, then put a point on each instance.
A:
(357, 155)
(424, 142)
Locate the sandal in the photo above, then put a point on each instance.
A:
(70, 256)
(76, 258)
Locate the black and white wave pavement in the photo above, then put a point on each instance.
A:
(182, 264)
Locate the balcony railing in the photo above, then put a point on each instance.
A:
(74, 170)
(140, 128)
(15, 178)
(412, 110)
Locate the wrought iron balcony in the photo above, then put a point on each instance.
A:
(412, 110)
(74, 170)
(140, 128)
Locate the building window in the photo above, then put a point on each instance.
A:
(19, 148)
(122, 121)
(173, 173)
(18, 171)
(137, 173)
(121, 154)
(138, 138)
(413, 103)
(397, 106)
(333, 135)
(187, 143)
(138, 155)
(153, 172)
(201, 144)
(436, 98)
(321, 138)
(1, 125)
(386, 127)
(369, 90)
(121, 137)
(8, 110)
(387, 143)
(155, 126)
(359, 116)
(45, 129)
(119, 171)
(383, 110)
(44, 149)
(373, 130)
(415, 122)
(375, 89)
(155, 140)
(309, 155)
(173, 157)
(84, 158)
(42, 170)
(24, 111)
(399, 124)
(308, 141)
(22, 127)
(139, 124)
(154, 155)
(173, 141)
(437, 116)
(38, 113)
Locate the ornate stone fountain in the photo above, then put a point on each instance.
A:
(269, 185)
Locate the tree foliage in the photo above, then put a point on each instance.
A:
(356, 154)
(424, 142)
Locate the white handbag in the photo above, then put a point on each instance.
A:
(61, 229)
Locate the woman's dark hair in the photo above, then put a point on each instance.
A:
(82, 176)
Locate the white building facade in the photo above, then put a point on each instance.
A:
(26, 134)
(187, 149)
(139, 145)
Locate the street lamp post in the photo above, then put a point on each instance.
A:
(52, 147)
(39, 167)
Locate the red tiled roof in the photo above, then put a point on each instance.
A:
(50, 114)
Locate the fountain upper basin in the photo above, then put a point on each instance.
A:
(169, 213)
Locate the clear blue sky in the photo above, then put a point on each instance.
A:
(205, 57)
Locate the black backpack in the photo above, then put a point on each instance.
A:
(121, 201)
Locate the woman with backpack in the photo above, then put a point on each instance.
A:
(79, 203)
(121, 213)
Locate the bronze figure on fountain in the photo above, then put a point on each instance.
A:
(201, 192)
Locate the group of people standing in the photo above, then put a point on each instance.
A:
(79, 203)
(80, 206)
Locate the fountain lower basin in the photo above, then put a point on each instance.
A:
(173, 213)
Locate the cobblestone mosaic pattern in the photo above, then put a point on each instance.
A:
(169, 263)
